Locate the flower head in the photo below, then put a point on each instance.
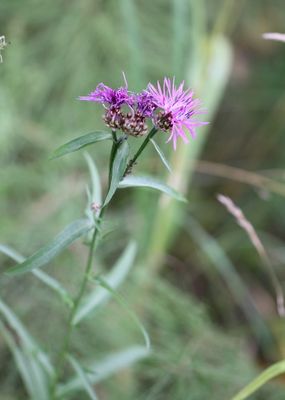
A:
(145, 104)
(109, 97)
(113, 100)
(176, 109)
(131, 118)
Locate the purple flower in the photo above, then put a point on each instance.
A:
(111, 98)
(145, 104)
(177, 107)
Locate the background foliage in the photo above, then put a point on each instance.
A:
(204, 342)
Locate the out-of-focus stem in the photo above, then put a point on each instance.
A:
(215, 65)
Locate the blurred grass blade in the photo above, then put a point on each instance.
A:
(83, 377)
(117, 275)
(30, 372)
(27, 340)
(179, 37)
(47, 253)
(270, 373)
(226, 269)
(161, 154)
(8, 251)
(42, 276)
(254, 179)
(33, 363)
(118, 169)
(124, 304)
(105, 368)
(152, 183)
(131, 25)
(209, 74)
(80, 142)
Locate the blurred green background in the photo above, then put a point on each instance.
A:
(198, 285)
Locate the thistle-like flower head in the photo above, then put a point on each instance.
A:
(177, 107)
(111, 98)
(145, 104)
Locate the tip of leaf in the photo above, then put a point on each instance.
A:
(52, 156)
(183, 199)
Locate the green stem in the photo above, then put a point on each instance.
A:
(141, 148)
(70, 325)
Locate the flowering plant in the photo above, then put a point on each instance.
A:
(165, 108)
(169, 108)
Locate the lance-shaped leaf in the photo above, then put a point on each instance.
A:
(83, 378)
(96, 190)
(117, 275)
(152, 183)
(80, 142)
(103, 369)
(118, 169)
(33, 364)
(94, 196)
(161, 154)
(42, 276)
(47, 253)
(31, 373)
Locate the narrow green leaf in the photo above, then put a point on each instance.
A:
(33, 364)
(149, 182)
(124, 304)
(96, 192)
(99, 296)
(17, 325)
(27, 340)
(268, 374)
(80, 142)
(31, 373)
(42, 276)
(8, 251)
(51, 250)
(118, 169)
(94, 197)
(83, 377)
(161, 154)
(105, 368)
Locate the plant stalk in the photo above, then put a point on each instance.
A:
(77, 301)
(70, 325)
(140, 150)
